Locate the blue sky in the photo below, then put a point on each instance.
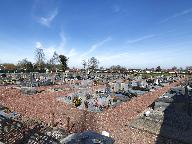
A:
(132, 33)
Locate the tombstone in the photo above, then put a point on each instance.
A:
(47, 71)
(123, 86)
(117, 87)
(87, 96)
(156, 81)
(69, 98)
(134, 84)
(108, 89)
(87, 137)
(126, 87)
(28, 90)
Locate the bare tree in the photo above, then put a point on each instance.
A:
(84, 64)
(93, 63)
(53, 62)
(40, 59)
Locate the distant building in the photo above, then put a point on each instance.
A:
(149, 70)
(135, 70)
(171, 71)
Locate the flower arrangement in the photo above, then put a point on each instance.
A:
(77, 101)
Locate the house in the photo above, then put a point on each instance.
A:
(134, 70)
(172, 71)
(149, 70)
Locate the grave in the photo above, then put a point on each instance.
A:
(28, 90)
(87, 137)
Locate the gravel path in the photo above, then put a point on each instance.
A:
(115, 120)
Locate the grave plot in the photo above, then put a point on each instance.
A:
(35, 79)
(9, 125)
(112, 95)
(136, 92)
(87, 137)
(35, 82)
(28, 90)
(93, 101)
(7, 80)
(57, 89)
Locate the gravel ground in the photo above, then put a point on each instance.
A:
(43, 106)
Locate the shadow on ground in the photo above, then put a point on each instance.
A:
(176, 121)
(169, 117)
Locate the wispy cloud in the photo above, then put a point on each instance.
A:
(182, 13)
(96, 45)
(60, 48)
(116, 8)
(138, 59)
(46, 21)
(63, 41)
(140, 39)
(72, 53)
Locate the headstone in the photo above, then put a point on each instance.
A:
(117, 87)
(28, 90)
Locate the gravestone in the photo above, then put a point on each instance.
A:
(87, 137)
(28, 90)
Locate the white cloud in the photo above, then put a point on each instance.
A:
(60, 48)
(132, 59)
(185, 12)
(95, 46)
(71, 53)
(137, 59)
(75, 57)
(140, 39)
(38, 45)
(46, 21)
(62, 42)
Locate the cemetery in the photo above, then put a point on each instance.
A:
(112, 93)
(95, 72)
(114, 89)
(67, 105)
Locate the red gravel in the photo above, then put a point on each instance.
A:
(42, 106)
